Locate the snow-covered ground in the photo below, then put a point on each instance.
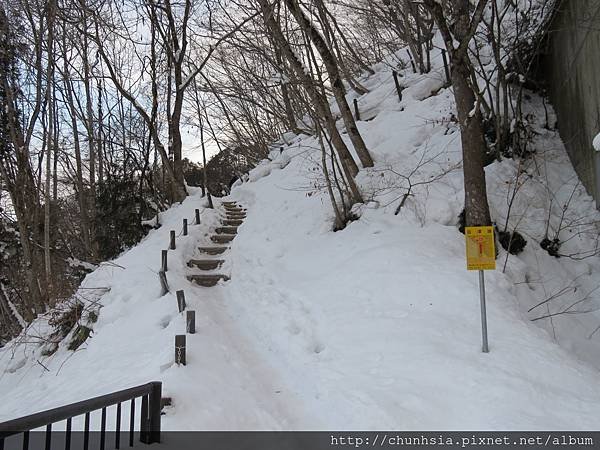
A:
(375, 326)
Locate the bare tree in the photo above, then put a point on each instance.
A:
(15, 160)
(457, 24)
(322, 107)
(336, 81)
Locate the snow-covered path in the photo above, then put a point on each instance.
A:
(243, 378)
(222, 358)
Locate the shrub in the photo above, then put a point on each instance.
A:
(79, 337)
(513, 243)
(551, 246)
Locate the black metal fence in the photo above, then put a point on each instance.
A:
(150, 394)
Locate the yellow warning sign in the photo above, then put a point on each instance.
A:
(481, 252)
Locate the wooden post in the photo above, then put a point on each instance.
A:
(172, 243)
(180, 349)
(180, 300)
(185, 228)
(191, 322)
(197, 217)
(356, 111)
(446, 66)
(163, 254)
(162, 276)
(397, 83)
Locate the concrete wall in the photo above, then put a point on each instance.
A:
(572, 69)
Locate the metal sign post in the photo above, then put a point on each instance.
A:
(481, 255)
(484, 336)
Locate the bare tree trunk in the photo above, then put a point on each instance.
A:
(8, 322)
(50, 11)
(55, 146)
(339, 221)
(100, 143)
(477, 212)
(289, 111)
(353, 191)
(337, 84)
(325, 18)
(81, 193)
(177, 52)
(89, 125)
(18, 175)
(320, 104)
(204, 170)
(199, 114)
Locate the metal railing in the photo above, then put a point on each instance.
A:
(149, 418)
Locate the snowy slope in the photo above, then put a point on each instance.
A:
(376, 326)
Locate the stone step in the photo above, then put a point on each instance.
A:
(213, 250)
(207, 280)
(206, 264)
(235, 215)
(226, 230)
(232, 222)
(229, 203)
(222, 238)
(235, 211)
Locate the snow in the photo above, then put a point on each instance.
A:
(375, 326)
(596, 143)
(262, 170)
(73, 262)
(12, 307)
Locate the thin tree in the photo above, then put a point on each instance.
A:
(335, 77)
(457, 24)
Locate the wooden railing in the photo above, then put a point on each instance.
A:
(149, 418)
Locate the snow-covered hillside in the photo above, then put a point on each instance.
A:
(375, 326)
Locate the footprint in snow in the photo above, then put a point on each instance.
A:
(294, 328)
(165, 321)
(318, 347)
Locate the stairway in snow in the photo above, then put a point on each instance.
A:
(234, 217)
